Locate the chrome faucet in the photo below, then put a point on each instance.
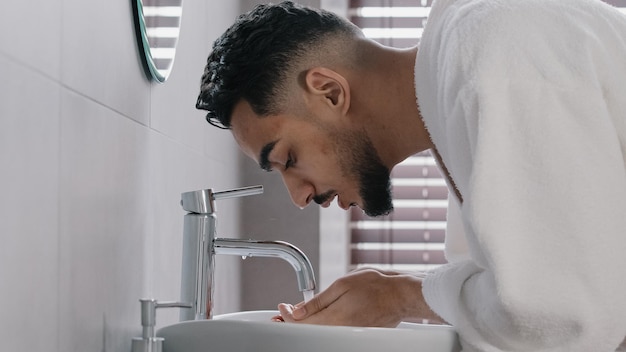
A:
(200, 246)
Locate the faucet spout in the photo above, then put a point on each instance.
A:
(278, 249)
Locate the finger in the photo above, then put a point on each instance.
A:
(319, 302)
(278, 319)
(286, 312)
(382, 271)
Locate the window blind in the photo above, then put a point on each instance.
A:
(412, 237)
(397, 23)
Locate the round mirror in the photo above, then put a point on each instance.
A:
(157, 25)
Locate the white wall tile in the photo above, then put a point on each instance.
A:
(103, 220)
(29, 159)
(30, 32)
(100, 56)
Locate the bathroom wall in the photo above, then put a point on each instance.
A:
(93, 158)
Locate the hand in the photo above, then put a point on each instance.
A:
(363, 298)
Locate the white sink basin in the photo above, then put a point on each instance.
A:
(253, 331)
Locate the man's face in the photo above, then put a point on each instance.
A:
(318, 161)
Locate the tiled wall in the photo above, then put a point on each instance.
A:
(93, 158)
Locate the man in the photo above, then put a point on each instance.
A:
(523, 104)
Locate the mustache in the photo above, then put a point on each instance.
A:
(324, 197)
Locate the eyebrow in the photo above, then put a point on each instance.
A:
(264, 161)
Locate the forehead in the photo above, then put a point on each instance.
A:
(251, 131)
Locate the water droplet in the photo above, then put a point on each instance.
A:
(244, 257)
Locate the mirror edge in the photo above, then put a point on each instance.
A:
(143, 45)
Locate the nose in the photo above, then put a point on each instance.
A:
(300, 190)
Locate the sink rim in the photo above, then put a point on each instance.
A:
(264, 316)
(235, 331)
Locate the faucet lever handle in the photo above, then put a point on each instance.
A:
(173, 305)
(238, 192)
(203, 201)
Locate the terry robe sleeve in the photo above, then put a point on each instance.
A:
(525, 101)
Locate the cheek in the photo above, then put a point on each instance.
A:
(331, 159)
(331, 163)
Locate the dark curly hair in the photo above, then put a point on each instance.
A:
(251, 59)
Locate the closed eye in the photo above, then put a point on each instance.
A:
(264, 161)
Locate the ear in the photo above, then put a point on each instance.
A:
(330, 85)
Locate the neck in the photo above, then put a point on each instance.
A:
(394, 123)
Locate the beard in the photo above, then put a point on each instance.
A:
(359, 161)
(373, 177)
(374, 183)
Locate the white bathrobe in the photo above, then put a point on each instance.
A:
(525, 101)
